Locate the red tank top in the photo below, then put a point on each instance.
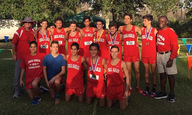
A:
(43, 43)
(98, 71)
(149, 45)
(115, 74)
(103, 45)
(72, 39)
(130, 42)
(112, 42)
(59, 36)
(74, 73)
(86, 41)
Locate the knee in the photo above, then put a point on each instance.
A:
(35, 84)
(57, 82)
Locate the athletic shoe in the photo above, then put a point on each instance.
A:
(130, 91)
(139, 90)
(43, 89)
(15, 96)
(36, 100)
(153, 94)
(171, 98)
(145, 93)
(160, 95)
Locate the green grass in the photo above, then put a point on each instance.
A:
(138, 104)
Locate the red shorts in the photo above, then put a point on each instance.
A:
(76, 91)
(28, 85)
(149, 60)
(131, 58)
(114, 92)
(95, 89)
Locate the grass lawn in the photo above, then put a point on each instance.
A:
(138, 104)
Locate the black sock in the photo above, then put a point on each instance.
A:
(147, 86)
(154, 88)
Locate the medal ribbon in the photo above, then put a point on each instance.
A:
(93, 68)
(99, 37)
(147, 35)
(113, 41)
(42, 34)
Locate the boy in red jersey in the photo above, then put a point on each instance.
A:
(95, 76)
(149, 53)
(31, 65)
(43, 38)
(114, 38)
(167, 46)
(73, 36)
(116, 69)
(131, 49)
(87, 40)
(100, 38)
(58, 34)
(75, 70)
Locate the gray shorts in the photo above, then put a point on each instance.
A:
(162, 60)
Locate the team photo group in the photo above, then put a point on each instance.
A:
(96, 62)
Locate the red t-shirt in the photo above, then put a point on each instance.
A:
(167, 41)
(59, 36)
(86, 41)
(103, 45)
(116, 42)
(43, 43)
(74, 73)
(149, 45)
(21, 39)
(72, 39)
(99, 70)
(33, 66)
(115, 74)
(130, 42)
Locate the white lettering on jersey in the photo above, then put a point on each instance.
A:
(58, 36)
(128, 36)
(74, 66)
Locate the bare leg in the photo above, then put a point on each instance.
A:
(123, 104)
(137, 73)
(129, 72)
(80, 98)
(88, 100)
(109, 102)
(35, 85)
(163, 81)
(102, 102)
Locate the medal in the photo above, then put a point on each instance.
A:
(147, 35)
(28, 41)
(42, 34)
(113, 41)
(93, 68)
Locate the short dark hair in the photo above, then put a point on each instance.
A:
(115, 46)
(164, 17)
(75, 44)
(73, 22)
(58, 19)
(128, 14)
(33, 42)
(149, 17)
(54, 42)
(96, 45)
(113, 24)
(44, 20)
(86, 17)
(100, 21)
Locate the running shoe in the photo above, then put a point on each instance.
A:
(160, 95)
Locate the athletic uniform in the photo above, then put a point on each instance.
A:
(72, 39)
(103, 44)
(43, 43)
(86, 41)
(33, 68)
(95, 80)
(117, 42)
(131, 49)
(115, 81)
(59, 36)
(167, 46)
(149, 47)
(53, 65)
(75, 80)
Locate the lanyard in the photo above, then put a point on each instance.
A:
(113, 41)
(147, 35)
(42, 34)
(99, 37)
(93, 68)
